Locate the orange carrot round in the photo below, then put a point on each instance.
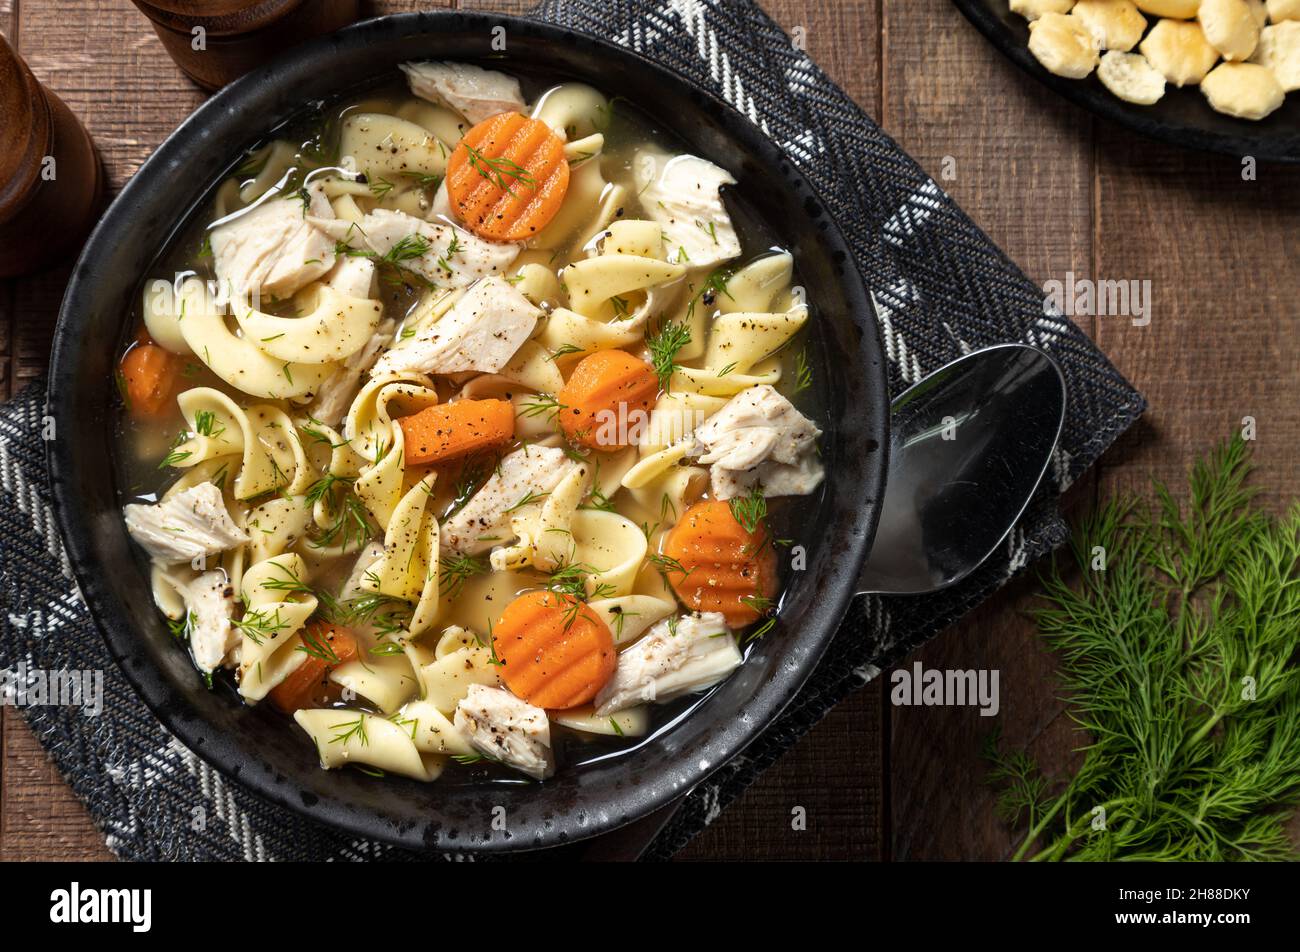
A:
(507, 177)
(449, 431)
(608, 392)
(724, 567)
(557, 653)
(328, 647)
(149, 376)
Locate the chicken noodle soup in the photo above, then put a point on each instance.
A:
(454, 432)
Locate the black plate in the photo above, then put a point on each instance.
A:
(1182, 116)
(270, 755)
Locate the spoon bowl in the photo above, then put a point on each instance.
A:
(968, 447)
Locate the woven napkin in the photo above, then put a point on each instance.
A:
(944, 288)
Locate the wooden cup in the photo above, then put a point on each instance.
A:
(50, 177)
(217, 41)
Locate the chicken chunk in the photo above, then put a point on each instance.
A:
(684, 197)
(480, 333)
(273, 249)
(354, 277)
(758, 437)
(210, 602)
(677, 656)
(774, 479)
(191, 525)
(484, 521)
(334, 395)
(441, 254)
(503, 727)
(472, 91)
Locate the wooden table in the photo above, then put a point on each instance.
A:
(1058, 190)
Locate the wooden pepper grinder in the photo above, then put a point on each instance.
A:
(50, 178)
(216, 41)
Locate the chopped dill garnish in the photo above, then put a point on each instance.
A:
(258, 625)
(318, 646)
(542, 405)
(412, 246)
(714, 285)
(528, 497)
(598, 500)
(664, 347)
(205, 424)
(802, 371)
(350, 729)
(423, 180)
(750, 510)
(498, 169)
(181, 627)
(351, 527)
(564, 350)
(454, 571)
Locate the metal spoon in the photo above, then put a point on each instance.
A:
(968, 447)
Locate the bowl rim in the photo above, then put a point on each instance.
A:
(168, 704)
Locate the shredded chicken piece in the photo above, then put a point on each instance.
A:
(509, 730)
(191, 525)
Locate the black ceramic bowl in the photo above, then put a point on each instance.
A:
(1182, 116)
(267, 753)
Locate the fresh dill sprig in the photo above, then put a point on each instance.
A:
(542, 405)
(454, 571)
(526, 499)
(424, 180)
(318, 646)
(749, 510)
(346, 730)
(570, 582)
(174, 458)
(259, 625)
(714, 285)
(350, 529)
(500, 171)
(181, 627)
(802, 371)
(414, 245)
(564, 350)
(472, 474)
(664, 346)
(598, 500)
(1175, 627)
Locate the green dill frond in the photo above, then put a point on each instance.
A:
(1176, 628)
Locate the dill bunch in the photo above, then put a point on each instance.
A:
(1177, 643)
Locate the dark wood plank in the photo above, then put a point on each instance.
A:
(1020, 163)
(1224, 337)
(42, 819)
(832, 779)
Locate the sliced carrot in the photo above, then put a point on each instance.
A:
(508, 177)
(556, 652)
(149, 375)
(723, 567)
(329, 647)
(600, 403)
(449, 431)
